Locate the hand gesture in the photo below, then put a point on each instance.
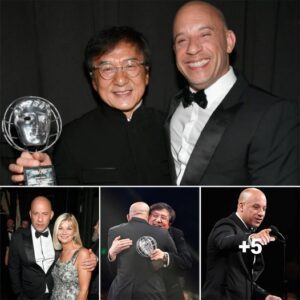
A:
(263, 237)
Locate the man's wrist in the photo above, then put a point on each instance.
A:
(250, 237)
(111, 256)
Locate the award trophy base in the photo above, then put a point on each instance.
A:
(39, 176)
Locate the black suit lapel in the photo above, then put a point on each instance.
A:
(239, 223)
(28, 248)
(173, 106)
(206, 145)
(247, 258)
(258, 266)
(212, 134)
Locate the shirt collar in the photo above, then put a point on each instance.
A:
(222, 86)
(219, 89)
(139, 104)
(237, 214)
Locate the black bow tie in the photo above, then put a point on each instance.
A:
(189, 97)
(38, 234)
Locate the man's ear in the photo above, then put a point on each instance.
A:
(147, 70)
(52, 214)
(230, 39)
(241, 206)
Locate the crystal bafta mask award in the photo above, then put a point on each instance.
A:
(145, 245)
(32, 124)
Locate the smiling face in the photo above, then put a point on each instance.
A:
(66, 232)
(160, 218)
(252, 207)
(121, 91)
(202, 44)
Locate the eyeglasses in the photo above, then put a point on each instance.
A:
(130, 67)
(162, 217)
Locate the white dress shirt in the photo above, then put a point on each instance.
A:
(43, 251)
(187, 123)
(237, 214)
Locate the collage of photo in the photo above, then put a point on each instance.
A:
(149, 150)
(150, 243)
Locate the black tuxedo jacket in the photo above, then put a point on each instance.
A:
(228, 274)
(251, 138)
(179, 263)
(182, 260)
(136, 278)
(103, 148)
(27, 277)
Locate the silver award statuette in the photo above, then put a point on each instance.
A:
(145, 245)
(33, 124)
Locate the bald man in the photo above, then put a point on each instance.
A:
(229, 133)
(137, 277)
(232, 273)
(32, 254)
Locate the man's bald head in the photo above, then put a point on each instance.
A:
(202, 5)
(249, 193)
(251, 207)
(41, 213)
(139, 210)
(41, 200)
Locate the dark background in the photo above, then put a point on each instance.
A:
(42, 44)
(283, 211)
(82, 202)
(115, 203)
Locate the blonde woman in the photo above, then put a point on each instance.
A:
(71, 282)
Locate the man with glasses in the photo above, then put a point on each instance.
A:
(121, 141)
(163, 215)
